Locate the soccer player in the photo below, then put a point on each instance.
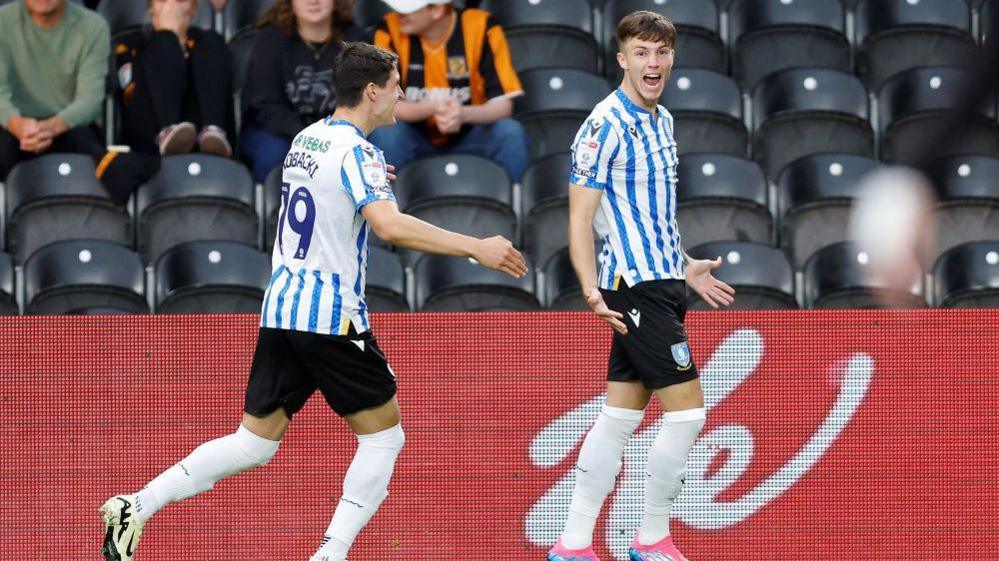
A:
(624, 166)
(314, 331)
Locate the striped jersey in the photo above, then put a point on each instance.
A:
(321, 248)
(631, 156)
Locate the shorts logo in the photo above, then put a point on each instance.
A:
(681, 354)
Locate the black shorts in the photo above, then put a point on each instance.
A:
(288, 367)
(655, 350)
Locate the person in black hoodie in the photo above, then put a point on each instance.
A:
(175, 81)
(289, 80)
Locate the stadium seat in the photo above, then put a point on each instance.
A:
(511, 14)
(125, 14)
(385, 280)
(967, 276)
(914, 106)
(896, 35)
(773, 35)
(367, 13)
(968, 189)
(814, 200)
(545, 202)
(195, 197)
(760, 274)
(57, 197)
(698, 42)
(546, 34)
(707, 112)
(241, 49)
(722, 197)
(8, 297)
(555, 103)
(462, 193)
(242, 14)
(451, 284)
(272, 205)
(805, 111)
(84, 277)
(562, 291)
(835, 278)
(208, 277)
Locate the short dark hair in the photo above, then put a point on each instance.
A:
(646, 26)
(358, 65)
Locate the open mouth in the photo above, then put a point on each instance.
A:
(652, 79)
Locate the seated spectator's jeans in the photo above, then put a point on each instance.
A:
(503, 142)
(262, 151)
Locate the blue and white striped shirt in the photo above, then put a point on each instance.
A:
(630, 155)
(321, 249)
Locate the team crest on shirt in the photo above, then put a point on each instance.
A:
(681, 354)
(457, 67)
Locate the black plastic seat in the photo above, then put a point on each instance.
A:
(195, 197)
(208, 277)
(760, 274)
(915, 103)
(545, 201)
(815, 197)
(367, 13)
(547, 34)
(125, 14)
(773, 35)
(385, 282)
(57, 197)
(707, 112)
(896, 35)
(451, 284)
(967, 276)
(562, 290)
(722, 197)
(555, 103)
(241, 49)
(805, 111)
(698, 41)
(462, 193)
(84, 277)
(968, 191)
(835, 277)
(8, 298)
(237, 16)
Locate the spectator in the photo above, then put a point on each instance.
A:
(175, 80)
(459, 83)
(290, 78)
(53, 68)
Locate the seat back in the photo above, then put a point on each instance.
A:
(77, 276)
(967, 276)
(56, 197)
(454, 284)
(836, 277)
(210, 277)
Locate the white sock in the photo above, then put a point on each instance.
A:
(596, 469)
(665, 472)
(202, 468)
(364, 488)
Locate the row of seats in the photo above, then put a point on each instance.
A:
(99, 277)
(720, 197)
(792, 113)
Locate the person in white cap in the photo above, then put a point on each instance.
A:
(459, 82)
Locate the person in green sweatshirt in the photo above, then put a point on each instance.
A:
(53, 71)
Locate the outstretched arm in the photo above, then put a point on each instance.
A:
(410, 232)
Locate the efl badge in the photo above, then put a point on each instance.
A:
(681, 354)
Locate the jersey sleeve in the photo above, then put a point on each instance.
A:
(364, 176)
(593, 153)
